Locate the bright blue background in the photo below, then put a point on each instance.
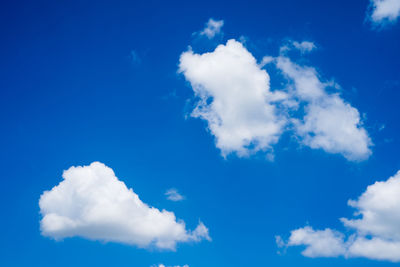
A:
(70, 94)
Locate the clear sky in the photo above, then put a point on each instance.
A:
(242, 127)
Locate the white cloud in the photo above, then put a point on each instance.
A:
(162, 265)
(376, 227)
(92, 203)
(375, 248)
(379, 208)
(323, 243)
(266, 60)
(304, 46)
(173, 195)
(306, 82)
(234, 98)
(329, 122)
(245, 116)
(213, 27)
(385, 11)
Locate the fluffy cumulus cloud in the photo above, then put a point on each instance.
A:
(329, 122)
(376, 227)
(213, 27)
(323, 243)
(234, 98)
(173, 195)
(385, 11)
(246, 116)
(92, 203)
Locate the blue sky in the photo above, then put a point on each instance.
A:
(102, 81)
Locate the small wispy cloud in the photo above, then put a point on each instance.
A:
(213, 27)
(173, 195)
(305, 46)
(134, 58)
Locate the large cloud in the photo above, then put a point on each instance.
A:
(376, 227)
(235, 98)
(245, 116)
(385, 11)
(92, 203)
